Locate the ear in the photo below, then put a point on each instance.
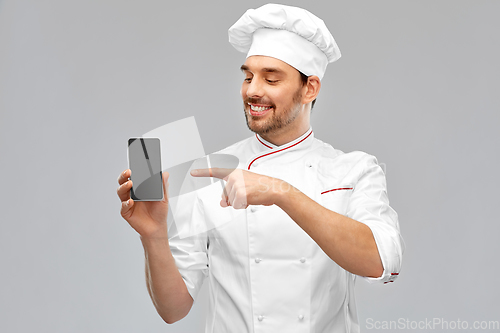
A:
(312, 89)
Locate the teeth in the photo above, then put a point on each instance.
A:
(259, 108)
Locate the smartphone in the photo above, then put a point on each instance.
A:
(144, 160)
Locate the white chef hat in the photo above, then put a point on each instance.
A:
(290, 34)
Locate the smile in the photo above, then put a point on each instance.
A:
(258, 110)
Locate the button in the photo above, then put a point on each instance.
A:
(309, 165)
(253, 209)
(257, 260)
(260, 318)
(301, 316)
(302, 260)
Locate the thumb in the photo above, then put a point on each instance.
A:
(165, 176)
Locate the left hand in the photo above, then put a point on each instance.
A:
(243, 188)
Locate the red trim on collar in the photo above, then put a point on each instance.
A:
(336, 189)
(277, 151)
(262, 142)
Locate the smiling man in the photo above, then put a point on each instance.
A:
(276, 99)
(314, 218)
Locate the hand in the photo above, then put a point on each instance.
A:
(148, 218)
(243, 188)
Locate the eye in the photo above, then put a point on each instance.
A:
(271, 81)
(248, 79)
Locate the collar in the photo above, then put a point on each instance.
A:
(267, 149)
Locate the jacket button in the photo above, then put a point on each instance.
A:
(302, 260)
(257, 260)
(260, 318)
(301, 316)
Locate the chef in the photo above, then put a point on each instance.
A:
(311, 218)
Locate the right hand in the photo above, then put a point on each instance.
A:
(148, 218)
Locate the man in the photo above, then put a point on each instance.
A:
(313, 217)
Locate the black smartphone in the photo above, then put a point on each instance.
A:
(144, 160)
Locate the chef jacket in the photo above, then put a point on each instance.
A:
(265, 273)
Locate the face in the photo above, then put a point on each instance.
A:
(272, 93)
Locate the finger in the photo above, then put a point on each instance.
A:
(123, 190)
(220, 173)
(127, 208)
(239, 204)
(238, 197)
(224, 191)
(231, 197)
(224, 202)
(165, 176)
(124, 176)
(225, 199)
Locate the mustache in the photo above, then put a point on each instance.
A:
(258, 101)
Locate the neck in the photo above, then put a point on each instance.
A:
(288, 133)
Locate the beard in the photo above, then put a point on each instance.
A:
(274, 121)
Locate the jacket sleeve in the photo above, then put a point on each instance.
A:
(369, 204)
(190, 253)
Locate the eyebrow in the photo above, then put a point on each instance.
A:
(266, 69)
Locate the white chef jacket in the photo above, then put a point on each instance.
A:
(265, 273)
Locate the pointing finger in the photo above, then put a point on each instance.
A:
(220, 173)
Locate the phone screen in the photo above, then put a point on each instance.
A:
(145, 163)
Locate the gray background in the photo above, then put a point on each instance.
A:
(417, 86)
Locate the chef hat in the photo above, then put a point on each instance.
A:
(290, 34)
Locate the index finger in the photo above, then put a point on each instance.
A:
(220, 173)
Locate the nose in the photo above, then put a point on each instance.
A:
(254, 88)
